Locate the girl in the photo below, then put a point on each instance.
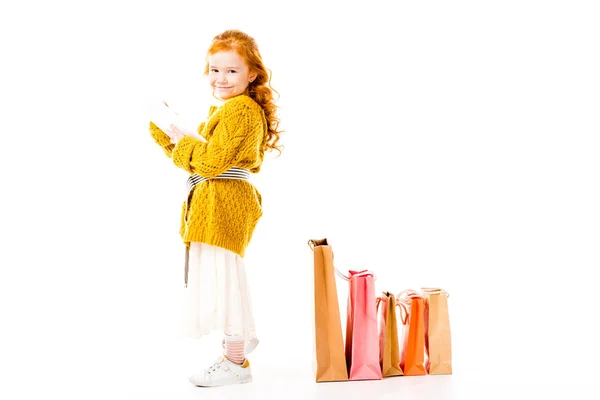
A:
(222, 208)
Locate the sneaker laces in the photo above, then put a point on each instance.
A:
(213, 368)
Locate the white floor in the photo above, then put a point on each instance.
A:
(124, 347)
(122, 351)
(290, 383)
(287, 382)
(163, 375)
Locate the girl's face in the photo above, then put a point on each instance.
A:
(228, 74)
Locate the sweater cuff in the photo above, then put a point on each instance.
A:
(161, 138)
(182, 153)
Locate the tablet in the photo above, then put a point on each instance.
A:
(163, 117)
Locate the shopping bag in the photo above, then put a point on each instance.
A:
(329, 357)
(438, 346)
(412, 352)
(362, 340)
(389, 350)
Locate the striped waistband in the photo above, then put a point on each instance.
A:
(195, 179)
(232, 173)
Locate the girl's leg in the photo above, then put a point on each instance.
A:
(234, 349)
(249, 346)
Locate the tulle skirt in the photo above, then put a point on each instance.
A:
(217, 297)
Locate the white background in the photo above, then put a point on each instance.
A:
(449, 144)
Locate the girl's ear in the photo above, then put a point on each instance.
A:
(252, 77)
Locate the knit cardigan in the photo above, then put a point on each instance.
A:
(221, 212)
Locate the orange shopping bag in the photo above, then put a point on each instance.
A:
(438, 346)
(389, 350)
(330, 358)
(412, 354)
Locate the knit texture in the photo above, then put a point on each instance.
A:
(221, 212)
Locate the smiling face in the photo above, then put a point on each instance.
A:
(228, 74)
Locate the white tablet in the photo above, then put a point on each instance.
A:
(163, 116)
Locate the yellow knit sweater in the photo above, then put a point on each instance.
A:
(221, 212)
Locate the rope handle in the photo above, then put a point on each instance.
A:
(312, 243)
(404, 313)
(403, 309)
(404, 300)
(364, 272)
(341, 275)
(434, 291)
(384, 297)
(407, 295)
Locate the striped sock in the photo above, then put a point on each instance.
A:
(234, 349)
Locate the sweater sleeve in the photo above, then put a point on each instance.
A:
(162, 139)
(212, 158)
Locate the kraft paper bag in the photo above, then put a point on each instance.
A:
(412, 352)
(389, 350)
(438, 344)
(329, 358)
(362, 339)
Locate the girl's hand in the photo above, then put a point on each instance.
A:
(175, 134)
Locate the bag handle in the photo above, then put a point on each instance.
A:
(384, 297)
(406, 296)
(404, 301)
(352, 273)
(435, 291)
(312, 243)
(404, 313)
(341, 275)
(403, 309)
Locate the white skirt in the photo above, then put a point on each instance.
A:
(217, 296)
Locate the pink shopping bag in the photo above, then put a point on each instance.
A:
(362, 337)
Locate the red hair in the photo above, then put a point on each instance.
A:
(260, 88)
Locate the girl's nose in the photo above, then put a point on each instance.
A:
(222, 78)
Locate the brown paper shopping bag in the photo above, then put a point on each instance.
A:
(389, 350)
(329, 342)
(438, 346)
(412, 353)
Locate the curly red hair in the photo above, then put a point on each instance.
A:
(260, 88)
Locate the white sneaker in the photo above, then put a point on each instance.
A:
(223, 372)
